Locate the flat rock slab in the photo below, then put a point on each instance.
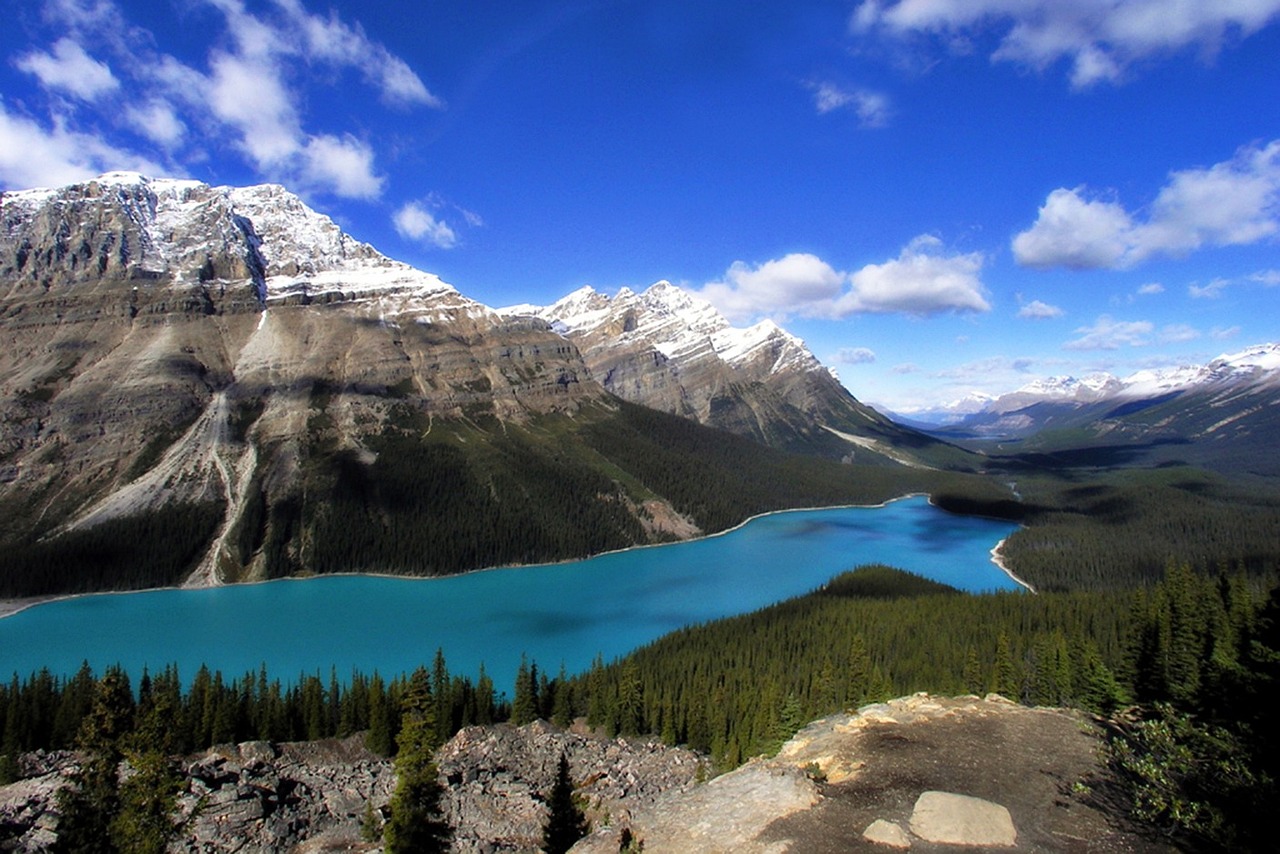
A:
(887, 833)
(961, 820)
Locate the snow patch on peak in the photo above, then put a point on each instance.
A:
(682, 326)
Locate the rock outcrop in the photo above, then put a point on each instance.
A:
(923, 773)
(498, 778)
(168, 342)
(317, 796)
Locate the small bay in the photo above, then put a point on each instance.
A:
(557, 613)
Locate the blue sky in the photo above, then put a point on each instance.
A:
(940, 196)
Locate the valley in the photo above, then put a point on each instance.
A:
(203, 387)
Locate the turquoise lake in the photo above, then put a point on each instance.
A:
(558, 613)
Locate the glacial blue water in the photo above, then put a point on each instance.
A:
(558, 613)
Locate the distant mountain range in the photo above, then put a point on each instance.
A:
(1225, 414)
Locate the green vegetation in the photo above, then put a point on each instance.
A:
(1198, 652)
(417, 825)
(565, 823)
(158, 549)
(452, 495)
(1119, 529)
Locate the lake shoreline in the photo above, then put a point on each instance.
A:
(9, 607)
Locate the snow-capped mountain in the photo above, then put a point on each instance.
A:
(1226, 407)
(233, 388)
(169, 343)
(671, 350)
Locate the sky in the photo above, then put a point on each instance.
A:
(942, 197)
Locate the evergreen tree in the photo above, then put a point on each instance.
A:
(1004, 679)
(565, 822)
(972, 672)
(417, 825)
(92, 798)
(148, 797)
(859, 674)
(524, 709)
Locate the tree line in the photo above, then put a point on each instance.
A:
(1198, 652)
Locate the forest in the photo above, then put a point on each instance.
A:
(1186, 662)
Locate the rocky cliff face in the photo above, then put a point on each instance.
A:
(670, 350)
(168, 341)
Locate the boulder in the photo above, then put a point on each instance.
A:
(953, 819)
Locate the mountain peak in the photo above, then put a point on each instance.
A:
(158, 231)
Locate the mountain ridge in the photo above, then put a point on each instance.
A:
(220, 357)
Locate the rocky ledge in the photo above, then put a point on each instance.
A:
(922, 773)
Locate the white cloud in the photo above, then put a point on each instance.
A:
(1037, 310)
(920, 281)
(343, 165)
(1101, 39)
(35, 156)
(1151, 289)
(906, 368)
(1213, 290)
(249, 94)
(1270, 278)
(871, 107)
(69, 69)
(157, 121)
(855, 356)
(1231, 203)
(1178, 333)
(799, 283)
(415, 222)
(334, 41)
(1222, 333)
(1110, 334)
(1074, 232)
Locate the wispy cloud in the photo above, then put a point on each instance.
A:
(1235, 202)
(1213, 290)
(1037, 310)
(414, 222)
(32, 155)
(872, 108)
(1150, 289)
(855, 356)
(1108, 333)
(1178, 333)
(924, 279)
(1100, 39)
(69, 69)
(248, 95)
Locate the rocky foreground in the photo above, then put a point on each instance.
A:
(921, 773)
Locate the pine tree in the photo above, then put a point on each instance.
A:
(1004, 679)
(145, 822)
(417, 824)
(524, 709)
(972, 672)
(88, 804)
(565, 821)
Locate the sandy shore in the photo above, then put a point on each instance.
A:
(998, 559)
